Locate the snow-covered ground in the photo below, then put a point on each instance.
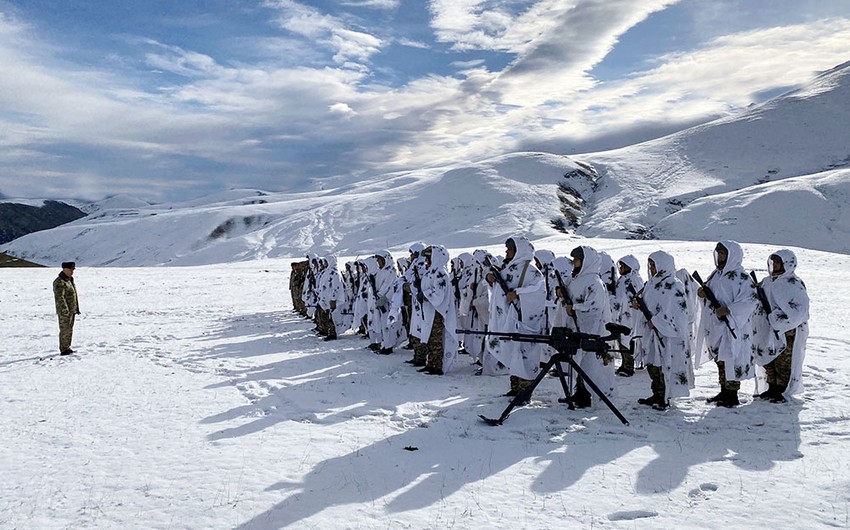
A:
(199, 400)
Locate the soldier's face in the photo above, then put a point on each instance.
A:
(652, 270)
(720, 257)
(510, 252)
(68, 272)
(776, 266)
(623, 268)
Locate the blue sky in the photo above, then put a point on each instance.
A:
(168, 100)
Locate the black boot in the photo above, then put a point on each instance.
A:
(581, 399)
(769, 393)
(777, 396)
(729, 399)
(716, 398)
(651, 400)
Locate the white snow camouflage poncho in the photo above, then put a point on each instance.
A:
(621, 308)
(331, 290)
(439, 298)
(391, 332)
(475, 303)
(592, 306)
(665, 297)
(789, 302)
(522, 277)
(309, 292)
(734, 289)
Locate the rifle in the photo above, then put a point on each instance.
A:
(765, 303)
(456, 283)
(645, 310)
(612, 285)
(504, 285)
(565, 299)
(417, 283)
(567, 343)
(713, 303)
(375, 293)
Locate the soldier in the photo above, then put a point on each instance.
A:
(518, 305)
(780, 335)
(726, 330)
(67, 305)
(591, 309)
(665, 341)
(413, 277)
(622, 310)
(297, 278)
(331, 299)
(475, 304)
(440, 315)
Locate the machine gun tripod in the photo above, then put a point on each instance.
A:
(566, 343)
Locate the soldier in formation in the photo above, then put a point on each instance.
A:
(440, 308)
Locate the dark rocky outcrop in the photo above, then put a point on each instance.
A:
(17, 220)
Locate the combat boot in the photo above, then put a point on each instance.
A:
(581, 399)
(716, 398)
(769, 393)
(729, 399)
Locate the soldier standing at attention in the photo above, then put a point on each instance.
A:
(67, 305)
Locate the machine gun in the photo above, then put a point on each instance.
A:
(566, 343)
(713, 303)
(645, 310)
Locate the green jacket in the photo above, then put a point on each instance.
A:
(65, 294)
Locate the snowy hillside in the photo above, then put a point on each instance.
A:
(457, 206)
(722, 166)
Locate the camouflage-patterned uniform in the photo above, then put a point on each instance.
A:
(67, 308)
(296, 286)
(433, 349)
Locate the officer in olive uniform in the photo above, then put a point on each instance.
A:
(67, 305)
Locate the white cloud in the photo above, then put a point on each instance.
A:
(342, 109)
(327, 30)
(375, 4)
(410, 43)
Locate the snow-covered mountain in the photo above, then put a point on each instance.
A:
(776, 173)
(457, 206)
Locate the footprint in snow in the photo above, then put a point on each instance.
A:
(631, 515)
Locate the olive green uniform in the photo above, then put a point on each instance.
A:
(67, 308)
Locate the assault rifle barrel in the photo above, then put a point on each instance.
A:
(713, 302)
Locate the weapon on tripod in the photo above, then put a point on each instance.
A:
(713, 303)
(645, 310)
(567, 343)
(765, 303)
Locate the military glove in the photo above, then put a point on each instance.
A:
(701, 292)
(721, 312)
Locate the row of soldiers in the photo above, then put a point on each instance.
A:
(440, 307)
